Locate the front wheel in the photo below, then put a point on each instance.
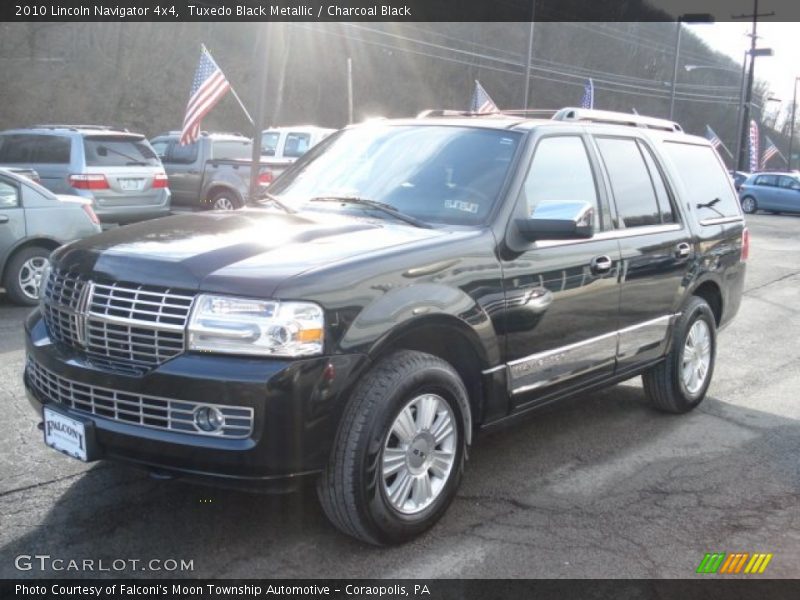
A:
(679, 383)
(749, 205)
(400, 450)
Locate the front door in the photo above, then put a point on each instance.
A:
(562, 297)
(12, 217)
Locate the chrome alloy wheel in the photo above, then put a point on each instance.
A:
(696, 357)
(419, 454)
(749, 205)
(30, 276)
(224, 203)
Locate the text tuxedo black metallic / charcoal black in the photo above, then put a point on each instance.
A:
(406, 284)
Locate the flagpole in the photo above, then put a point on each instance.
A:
(233, 91)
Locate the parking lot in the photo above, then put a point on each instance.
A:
(599, 486)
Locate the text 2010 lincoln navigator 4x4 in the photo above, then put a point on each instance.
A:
(405, 285)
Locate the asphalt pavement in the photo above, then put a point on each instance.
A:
(597, 486)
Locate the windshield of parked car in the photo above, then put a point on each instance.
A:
(119, 151)
(435, 173)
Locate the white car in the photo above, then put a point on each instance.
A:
(281, 146)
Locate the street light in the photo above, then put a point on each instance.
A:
(686, 18)
(791, 126)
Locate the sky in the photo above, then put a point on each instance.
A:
(778, 71)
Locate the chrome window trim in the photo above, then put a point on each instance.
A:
(721, 220)
(614, 234)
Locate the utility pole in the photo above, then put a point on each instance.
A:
(530, 58)
(739, 122)
(741, 161)
(791, 125)
(685, 18)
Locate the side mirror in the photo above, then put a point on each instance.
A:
(568, 220)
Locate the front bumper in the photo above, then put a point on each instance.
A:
(296, 407)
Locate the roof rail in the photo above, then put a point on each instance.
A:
(535, 113)
(443, 112)
(616, 118)
(74, 127)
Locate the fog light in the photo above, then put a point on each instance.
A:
(208, 418)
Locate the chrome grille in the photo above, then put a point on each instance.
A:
(132, 326)
(147, 411)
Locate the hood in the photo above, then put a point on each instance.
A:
(250, 251)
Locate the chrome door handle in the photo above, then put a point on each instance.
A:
(682, 250)
(601, 264)
(3, 218)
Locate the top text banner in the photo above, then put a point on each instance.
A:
(393, 10)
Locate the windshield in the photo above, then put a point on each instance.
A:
(438, 174)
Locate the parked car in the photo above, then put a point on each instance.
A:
(213, 172)
(281, 146)
(405, 286)
(33, 222)
(739, 178)
(116, 170)
(773, 192)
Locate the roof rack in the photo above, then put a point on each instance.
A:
(75, 127)
(616, 118)
(441, 112)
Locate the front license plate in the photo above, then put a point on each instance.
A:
(131, 185)
(65, 434)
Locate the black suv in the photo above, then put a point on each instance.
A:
(405, 285)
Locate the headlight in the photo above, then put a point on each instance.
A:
(43, 281)
(230, 325)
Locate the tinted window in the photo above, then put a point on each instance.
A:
(232, 149)
(182, 155)
(9, 196)
(633, 189)
(767, 180)
(436, 173)
(30, 148)
(663, 196)
(269, 142)
(560, 171)
(296, 144)
(117, 151)
(704, 178)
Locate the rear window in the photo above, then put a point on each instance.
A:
(705, 180)
(24, 148)
(296, 144)
(232, 149)
(269, 142)
(116, 151)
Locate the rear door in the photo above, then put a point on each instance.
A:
(655, 243)
(789, 193)
(562, 298)
(129, 165)
(12, 217)
(184, 166)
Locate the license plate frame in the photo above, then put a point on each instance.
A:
(69, 434)
(131, 184)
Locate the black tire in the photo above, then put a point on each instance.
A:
(224, 200)
(351, 489)
(11, 280)
(749, 208)
(664, 384)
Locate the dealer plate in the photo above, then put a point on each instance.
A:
(65, 434)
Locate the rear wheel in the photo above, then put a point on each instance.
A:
(224, 200)
(679, 383)
(400, 450)
(749, 205)
(23, 276)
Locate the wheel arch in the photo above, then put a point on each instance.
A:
(42, 242)
(710, 291)
(222, 187)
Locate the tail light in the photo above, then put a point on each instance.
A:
(87, 208)
(160, 180)
(745, 244)
(88, 182)
(265, 178)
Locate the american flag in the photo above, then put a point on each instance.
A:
(588, 95)
(770, 151)
(481, 101)
(208, 88)
(753, 146)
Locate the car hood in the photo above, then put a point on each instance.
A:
(249, 251)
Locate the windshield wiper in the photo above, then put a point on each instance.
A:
(267, 198)
(710, 204)
(383, 207)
